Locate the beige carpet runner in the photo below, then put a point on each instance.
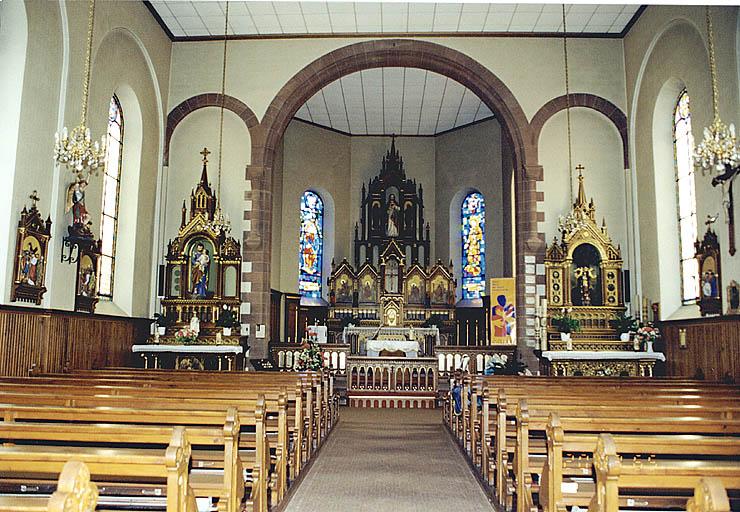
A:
(389, 459)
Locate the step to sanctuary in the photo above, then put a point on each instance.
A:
(392, 400)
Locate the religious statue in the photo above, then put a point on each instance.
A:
(81, 223)
(391, 229)
(709, 286)
(88, 278)
(200, 262)
(195, 324)
(585, 277)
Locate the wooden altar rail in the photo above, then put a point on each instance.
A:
(207, 311)
(389, 374)
(711, 351)
(49, 340)
(285, 356)
(510, 428)
(449, 357)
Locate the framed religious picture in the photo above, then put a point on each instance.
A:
(88, 271)
(31, 247)
(710, 291)
(733, 298)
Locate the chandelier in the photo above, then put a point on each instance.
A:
(76, 150)
(220, 221)
(718, 151)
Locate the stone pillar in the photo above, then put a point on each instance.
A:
(256, 254)
(530, 254)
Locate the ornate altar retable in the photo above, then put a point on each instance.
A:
(201, 285)
(584, 277)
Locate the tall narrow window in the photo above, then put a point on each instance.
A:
(473, 214)
(311, 245)
(111, 189)
(683, 144)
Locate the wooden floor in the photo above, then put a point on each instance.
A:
(389, 459)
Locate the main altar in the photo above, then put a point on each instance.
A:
(198, 326)
(585, 282)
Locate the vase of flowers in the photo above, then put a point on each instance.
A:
(309, 358)
(624, 324)
(647, 334)
(227, 321)
(186, 336)
(566, 325)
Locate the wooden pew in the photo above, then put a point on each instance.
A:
(560, 441)
(613, 473)
(129, 464)
(75, 492)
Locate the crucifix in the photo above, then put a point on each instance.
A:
(728, 177)
(34, 197)
(205, 154)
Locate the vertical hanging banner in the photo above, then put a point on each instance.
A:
(503, 310)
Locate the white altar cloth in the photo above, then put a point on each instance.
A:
(181, 349)
(601, 355)
(410, 348)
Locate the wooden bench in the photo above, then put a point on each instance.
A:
(75, 492)
(125, 464)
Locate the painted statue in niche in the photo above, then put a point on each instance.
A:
(393, 211)
(31, 262)
(200, 262)
(88, 281)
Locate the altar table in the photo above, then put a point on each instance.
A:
(409, 347)
(189, 353)
(600, 363)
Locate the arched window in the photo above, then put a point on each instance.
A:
(473, 215)
(311, 245)
(683, 145)
(111, 188)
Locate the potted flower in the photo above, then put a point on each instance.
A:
(647, 334)
(186, 336)
(624, 324)
(162, 323)
(566, 325)
(227, 321)
(309, 358)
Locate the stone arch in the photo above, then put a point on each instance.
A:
(604, 106)
(212, 99)
(373, 54)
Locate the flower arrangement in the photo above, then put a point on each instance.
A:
(501, 364)
(566, 323)
(310, 358)
(647, 334)
(623, 323)
(228, 319)
(186, 335)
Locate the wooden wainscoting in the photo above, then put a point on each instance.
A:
(712, 348)
(50, 340)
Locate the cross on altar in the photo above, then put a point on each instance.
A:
(205, 154)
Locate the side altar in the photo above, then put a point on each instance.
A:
(198, 326)
(584, 282)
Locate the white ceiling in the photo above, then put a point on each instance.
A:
(206, 18)
(401, 101)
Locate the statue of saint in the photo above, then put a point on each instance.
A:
(391, 228)
(585, 277)
(199, 263)
(76, 202)
(195, 324)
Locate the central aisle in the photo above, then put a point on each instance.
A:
(389, 459)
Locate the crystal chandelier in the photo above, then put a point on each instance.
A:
(76, 150)
(718, 151)
(220, 221)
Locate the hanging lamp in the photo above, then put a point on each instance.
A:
(76, 150)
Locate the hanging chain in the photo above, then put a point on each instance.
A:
(223, 102)
(86, 82)
(712, 65)
(567, 105)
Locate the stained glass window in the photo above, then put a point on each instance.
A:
(473, 214)
(311, 244)
(111, 188)
(683, 144)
